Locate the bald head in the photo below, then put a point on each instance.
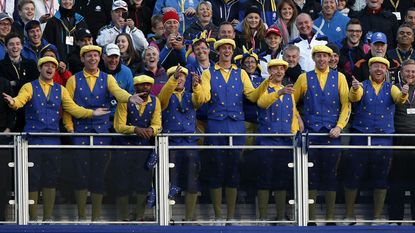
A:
(304, 24)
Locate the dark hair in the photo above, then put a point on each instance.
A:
(49, 49)
(410, 9)
(130, 50)
(353, 21)
(225, 23)
(292, 5)
(12, 35)
(24, 2)
(156, 19)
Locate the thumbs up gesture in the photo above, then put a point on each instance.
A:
(405, 89)
(355, 83)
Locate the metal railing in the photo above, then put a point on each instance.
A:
(163, 208)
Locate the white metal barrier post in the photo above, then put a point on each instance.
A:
(304, 184)
(21, 179)
(163, 172)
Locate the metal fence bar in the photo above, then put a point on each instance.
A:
(22, 180)
(163, 149)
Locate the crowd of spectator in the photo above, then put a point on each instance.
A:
(146, 67)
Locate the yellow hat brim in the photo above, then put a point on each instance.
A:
(143, 79)
(89, 48)
(277, 62)
(224, 41)
(321, 49)
(44, 60)
(379, 60)
(171, 71)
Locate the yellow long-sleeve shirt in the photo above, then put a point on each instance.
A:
(169, 89)
(249, 91)
(300, 87)
(26, 94)
(121, 95)
(398, 98)
(266, 99)
(120, 117)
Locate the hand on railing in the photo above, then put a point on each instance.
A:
(9, 100)
(100, 112)
(146, 133)
(335, 132)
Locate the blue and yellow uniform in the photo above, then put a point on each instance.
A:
(132, 173)
(179, 116)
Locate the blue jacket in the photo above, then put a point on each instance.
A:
(335, 29)
(176, 4)
(125, 80)
(2, 50)
(29, 53)
(229, 11)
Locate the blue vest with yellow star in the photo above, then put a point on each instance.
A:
(98, 98)
(180, 117)
(251, 109)
(143, 121)
(374, 113)
(275, 119)
(226, 97)
(42, 112)
(321, 107)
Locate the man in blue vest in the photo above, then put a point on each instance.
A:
(326, 110)
(43, 100)
(92, 88)
(131, 170)
(223, 89)
(277, 115)
(179, 116)
(374, 111)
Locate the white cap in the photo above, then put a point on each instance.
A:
(119, 4)
(112, 49)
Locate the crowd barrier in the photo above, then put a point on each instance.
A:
(165, 212)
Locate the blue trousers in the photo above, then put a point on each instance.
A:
(224, 164)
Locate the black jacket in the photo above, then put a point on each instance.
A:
(26, 72)
(141, 18)
(361, 71)
(346, 65)
(97, 13)
(310, 7)
(194, 29)
(384, 22)
(7, 116)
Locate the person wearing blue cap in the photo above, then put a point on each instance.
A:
(35, 44)
(374, 102)
(43, 100)
(378, 48)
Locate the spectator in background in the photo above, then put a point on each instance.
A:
(291, 55)
(82, 37)
(226, 31)
(18, 71)
(378, 48)
(331, 22)
(26, 13)
(401, 174)
(112, 65)
(97, 14)
(8, 6)
(334, 59)
(118, 25)
(307, 40)
(34, 45)
(59, 30)
(157, 29)
(268, 9)
(45, 10)
(274, 48)
(151, 58)
(203, 23)
(62, 74)
(398, 8)
(226, 11)
(186, 12)
(404, 50)
(251, 34)
(171, 47)
(310, 7)
(352, 49)
(343, 7)
(287, 12)
(374, 18)
(141, 15)
(129, 56)
(410, 17)
(6, 22)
